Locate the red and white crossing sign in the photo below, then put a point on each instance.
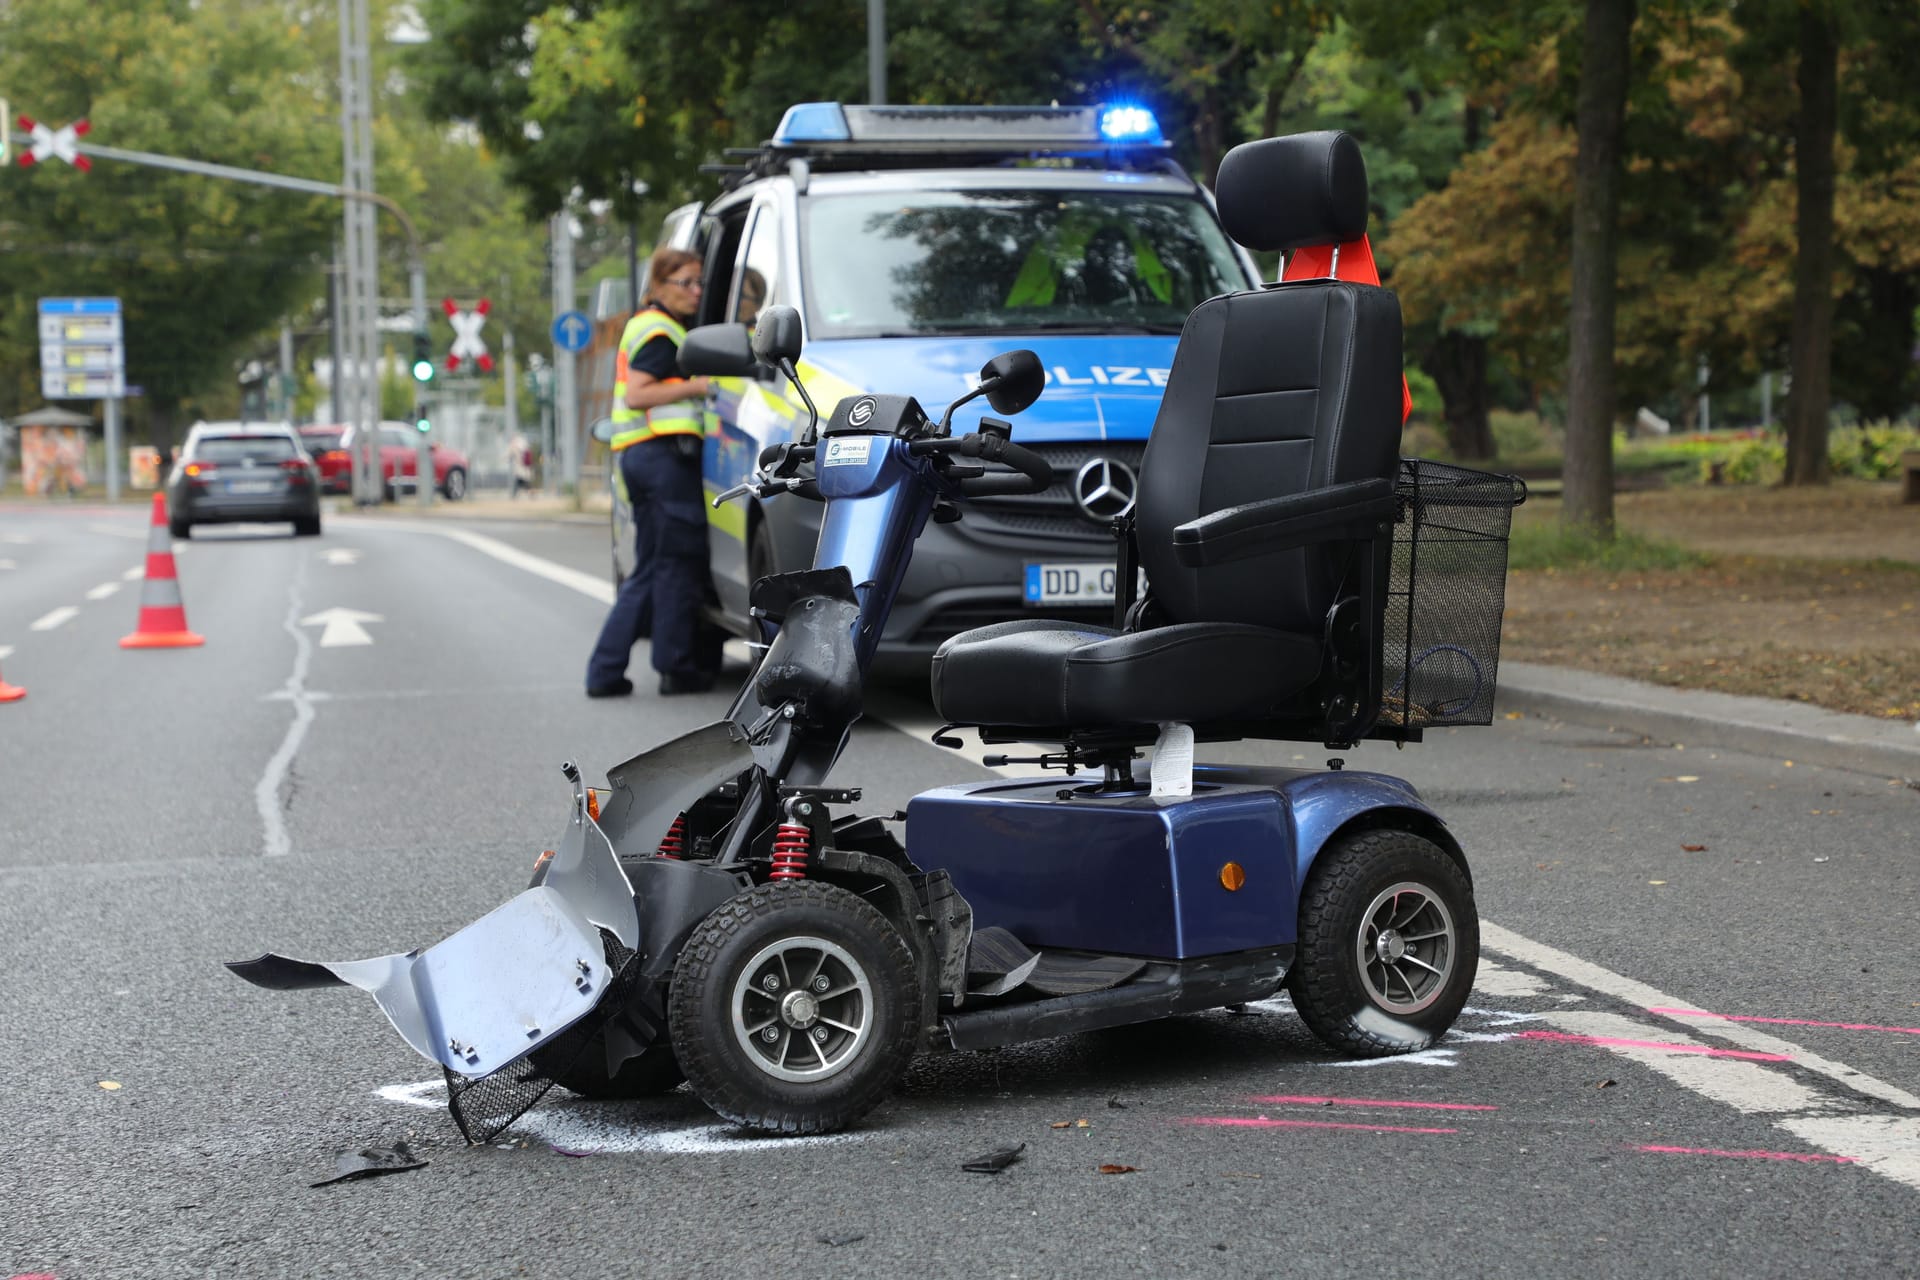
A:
(59, 143)
(467, 342)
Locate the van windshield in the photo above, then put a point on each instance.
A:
(890, 264)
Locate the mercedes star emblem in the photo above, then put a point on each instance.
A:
(1104, 489)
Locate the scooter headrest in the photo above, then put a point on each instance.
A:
(1288, 193)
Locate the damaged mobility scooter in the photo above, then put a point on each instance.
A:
(718, 914)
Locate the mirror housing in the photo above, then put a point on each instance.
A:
(602, 430)
(1013, 380)
(776, 335)
(718, 350)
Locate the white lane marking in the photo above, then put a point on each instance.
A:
(1641, 996)
(53, 618)
(342, 627)
(1745, 1086)
(341, 555)
(134, 574)
(266, 792)
(116, 531)
(6, 651)
(1498, 980)
(17, 539)
(602, 1128)
(585, 583)
(102, 591)
(7, 564)
(1888, 1145)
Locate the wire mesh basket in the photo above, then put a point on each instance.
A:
(1445, 595)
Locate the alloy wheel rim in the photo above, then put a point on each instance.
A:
(802, 1009)
(1406, 947)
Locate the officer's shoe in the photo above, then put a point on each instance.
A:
(672, 683)
(618, 689)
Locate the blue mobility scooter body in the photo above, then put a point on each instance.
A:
(715, 919)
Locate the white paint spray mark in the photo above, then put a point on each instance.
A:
(1508, 984)
(266, 792)
(604, 1128)
(102, 591)
(53, 618)
(1424, 1058)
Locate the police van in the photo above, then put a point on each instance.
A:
(916, 242)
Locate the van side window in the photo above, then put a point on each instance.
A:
(759, 277)
(723, 248)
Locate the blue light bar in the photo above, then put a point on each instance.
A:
(812, 122)
(1124, 122)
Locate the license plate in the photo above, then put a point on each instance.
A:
(249, 486)
(1088, 582)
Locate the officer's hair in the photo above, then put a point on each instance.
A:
(666, 263)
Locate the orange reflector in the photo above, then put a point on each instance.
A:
(593, 805)
(1232, 876)
(545, 857)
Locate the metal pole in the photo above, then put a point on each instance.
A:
(362, 281)
(113, 448)
(877, 52)
(286, 370)
(566, 401)
(513, 408)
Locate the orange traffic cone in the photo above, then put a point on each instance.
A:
(10, 692)
(163, 619)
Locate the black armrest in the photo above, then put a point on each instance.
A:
(1338, 512)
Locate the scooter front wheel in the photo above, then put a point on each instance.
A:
(795, 1008)
(1389, 944)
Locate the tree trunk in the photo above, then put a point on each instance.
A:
(1811, 347)
(1601, 113)
(1457, 363)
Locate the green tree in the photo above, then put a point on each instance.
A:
(200, 265)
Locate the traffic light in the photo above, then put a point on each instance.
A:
(421, 422)
(422, 359)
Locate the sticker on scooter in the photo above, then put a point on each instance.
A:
(846, 451)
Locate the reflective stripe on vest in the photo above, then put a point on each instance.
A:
(631, 426)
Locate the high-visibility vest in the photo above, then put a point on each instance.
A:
(679, 417)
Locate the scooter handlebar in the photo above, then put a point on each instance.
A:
(1031, 473)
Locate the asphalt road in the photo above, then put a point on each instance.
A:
(163, 811)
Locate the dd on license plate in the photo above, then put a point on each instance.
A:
(1069, 583)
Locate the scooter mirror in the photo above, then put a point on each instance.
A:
(776, 335)
(718, 350)
(1012, 380)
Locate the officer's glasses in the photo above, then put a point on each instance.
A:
(688, 282)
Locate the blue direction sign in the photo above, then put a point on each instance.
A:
(82, 349)
(572, 331)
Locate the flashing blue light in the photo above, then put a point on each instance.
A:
(1124, 122)
(812, 122)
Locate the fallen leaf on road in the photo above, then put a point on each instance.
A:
(1061, 1124)
(995, 1160)
(836, 1239)
(1605, 1084)
(1118, 1168)
(1694, 848)
(1820, 859)
(110, 1085)
(1116, 1104)
(1656, 882)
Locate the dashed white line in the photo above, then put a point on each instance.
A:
(6, 651)
(53, 618)
(102, 591)
(134, 574)
(7, 564)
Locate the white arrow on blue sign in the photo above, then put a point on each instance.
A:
(572, 331)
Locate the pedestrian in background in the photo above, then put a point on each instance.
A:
(519, 465)
(659, 426)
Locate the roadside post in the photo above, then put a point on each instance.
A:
(566, 401)
(83, 356)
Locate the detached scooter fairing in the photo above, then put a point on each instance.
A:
(721, 918)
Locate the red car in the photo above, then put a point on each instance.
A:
(330, 446)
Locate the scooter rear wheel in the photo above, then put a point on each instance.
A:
(1389, 943)
(795, 1008)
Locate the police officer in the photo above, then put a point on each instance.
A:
(659, 420)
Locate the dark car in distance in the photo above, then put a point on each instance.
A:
(232, 472)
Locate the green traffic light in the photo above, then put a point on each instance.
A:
(422, 425)
(423, 371)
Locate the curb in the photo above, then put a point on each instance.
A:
(1697, 717)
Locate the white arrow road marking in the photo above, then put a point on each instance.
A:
(341, 555)
(342, 627)
(53, 618)
(102, 591)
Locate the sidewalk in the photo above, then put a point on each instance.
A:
(1762, 726)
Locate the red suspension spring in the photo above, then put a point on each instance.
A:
(674, 843)
(790, 846)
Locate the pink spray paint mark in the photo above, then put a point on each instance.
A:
(1799, 1157)
(1786, 1022)
(1307, 1100)
(1560, 1037)
(1262, 1122)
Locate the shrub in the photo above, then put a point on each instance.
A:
(1870, 451)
